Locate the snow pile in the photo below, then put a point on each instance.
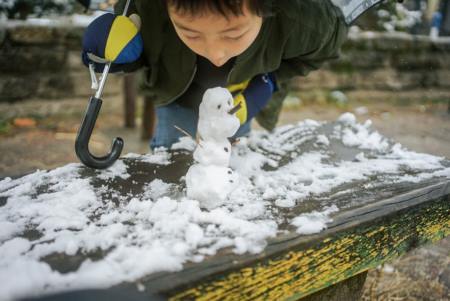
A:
(119, 169)
(50, 214)
(210, 180)
(314, 222)
(150, 232)
(354, 134)
(400, 18)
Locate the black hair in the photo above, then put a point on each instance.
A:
(223, 7)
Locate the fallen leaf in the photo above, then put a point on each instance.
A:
(24, 122)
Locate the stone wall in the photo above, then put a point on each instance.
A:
(377, 66)
(44, 62)
(386, 62)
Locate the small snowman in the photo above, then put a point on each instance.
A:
(210, 180)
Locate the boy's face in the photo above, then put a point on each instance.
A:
(214, 36)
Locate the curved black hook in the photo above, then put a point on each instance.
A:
(84, 135)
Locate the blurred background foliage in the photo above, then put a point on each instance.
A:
(412, 16)
(22, 9)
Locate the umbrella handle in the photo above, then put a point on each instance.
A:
(84, 135)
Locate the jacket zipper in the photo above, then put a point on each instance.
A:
(231, 71)
(187, 86)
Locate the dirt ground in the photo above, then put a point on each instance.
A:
(40, 134)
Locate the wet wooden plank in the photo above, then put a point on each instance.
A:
(294, 266)
(374, 226)
(376, 223)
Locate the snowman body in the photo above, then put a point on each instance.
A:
(210, 184)
(210, 180)
(212, 152)
(215, 123)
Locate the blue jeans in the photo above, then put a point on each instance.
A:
(173, 114)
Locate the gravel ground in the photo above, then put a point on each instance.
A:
(45, 138)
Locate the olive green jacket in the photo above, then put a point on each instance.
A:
(298, 37)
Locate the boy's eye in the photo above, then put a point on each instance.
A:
(192, 37)
(235, 38)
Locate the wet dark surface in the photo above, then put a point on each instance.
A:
(31, 233)
(301, 140)
(347, 196)
(64, 263)
(3, 200)
(141, 174)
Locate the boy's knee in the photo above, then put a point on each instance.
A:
(244, 130)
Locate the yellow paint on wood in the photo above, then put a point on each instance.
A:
(299, 273)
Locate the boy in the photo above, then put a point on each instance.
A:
(249, 46)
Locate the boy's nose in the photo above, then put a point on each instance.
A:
(219, 63)
(217, 57)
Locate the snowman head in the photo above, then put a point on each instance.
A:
(216, 102)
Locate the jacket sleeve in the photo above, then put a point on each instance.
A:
(317, 38)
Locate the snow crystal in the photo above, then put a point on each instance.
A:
(160, 156)
(156, 189)
(8, 230)
(186, 143)
(285, 203)
(118, 169)
(132, 156)
(359, 135)
(322, 139)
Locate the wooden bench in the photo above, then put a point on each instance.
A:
(375, 223)
(396, 220)
(330, 265)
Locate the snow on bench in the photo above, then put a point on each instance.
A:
(316, 203)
